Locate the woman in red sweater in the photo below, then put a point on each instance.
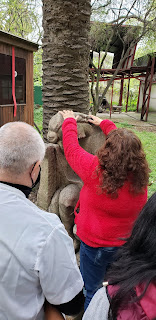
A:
(114, 192)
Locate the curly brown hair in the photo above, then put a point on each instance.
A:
(122, 158)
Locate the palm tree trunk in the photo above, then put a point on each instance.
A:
(66, 25)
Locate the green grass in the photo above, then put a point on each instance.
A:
(38, 117)
(148, 140)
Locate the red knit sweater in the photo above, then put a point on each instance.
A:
(101, 221)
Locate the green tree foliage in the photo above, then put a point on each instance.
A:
(38, 67)
(21, 18)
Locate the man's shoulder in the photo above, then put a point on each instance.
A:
(15, 206)
(37, 215)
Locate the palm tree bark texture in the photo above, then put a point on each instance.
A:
(66, 25)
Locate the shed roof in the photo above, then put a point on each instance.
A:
(13, 40)
(143, 60)
(99, 42)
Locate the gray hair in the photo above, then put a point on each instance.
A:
(20, 147)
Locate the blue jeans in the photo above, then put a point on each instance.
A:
(93, 266)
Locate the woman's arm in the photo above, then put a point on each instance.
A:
(105, 125)
(79, 159)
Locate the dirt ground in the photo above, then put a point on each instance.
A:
(132, 119)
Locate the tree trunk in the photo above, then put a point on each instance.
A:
(66, 48)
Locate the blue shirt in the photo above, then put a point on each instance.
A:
(37, 259)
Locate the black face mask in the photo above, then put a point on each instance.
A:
(26, 190)
(34, 184)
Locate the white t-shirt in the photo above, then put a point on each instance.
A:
(37, 259)
(98, 307)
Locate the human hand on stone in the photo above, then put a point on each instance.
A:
(95, 120)
(67, 114)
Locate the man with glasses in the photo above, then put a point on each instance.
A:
(37, 262)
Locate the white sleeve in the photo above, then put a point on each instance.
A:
(59, 274)
(98, 307)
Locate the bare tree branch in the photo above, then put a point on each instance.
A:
(129, 39)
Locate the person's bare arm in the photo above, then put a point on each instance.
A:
(51, 313)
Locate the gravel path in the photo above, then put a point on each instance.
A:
(132, 119)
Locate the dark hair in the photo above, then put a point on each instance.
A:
(122, 158)
(136, 263)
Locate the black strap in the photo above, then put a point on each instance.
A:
(108, 296)
(72, 307)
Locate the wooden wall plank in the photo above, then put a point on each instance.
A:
(7, 49)
(25, 112)
(6, 114)
(29, 90)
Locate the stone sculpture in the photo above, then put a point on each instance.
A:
(60, 186)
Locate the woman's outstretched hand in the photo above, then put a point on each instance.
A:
(95, 120)
(70, 114)
(67, 114)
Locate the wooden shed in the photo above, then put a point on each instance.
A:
(16, 79)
